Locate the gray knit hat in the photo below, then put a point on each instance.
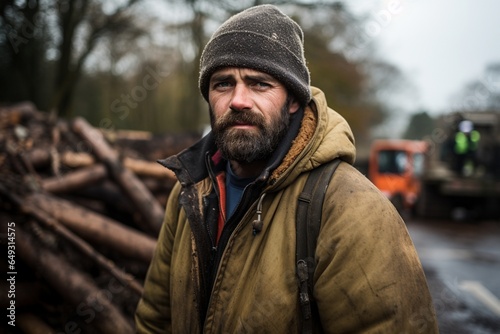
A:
(261, 38)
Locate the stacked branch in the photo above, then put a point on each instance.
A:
(87, 211)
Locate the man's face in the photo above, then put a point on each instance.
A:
(249, 113)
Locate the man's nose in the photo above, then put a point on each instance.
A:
(241, 99)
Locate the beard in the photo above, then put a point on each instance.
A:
(247, 146)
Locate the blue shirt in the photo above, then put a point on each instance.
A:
(235, 186)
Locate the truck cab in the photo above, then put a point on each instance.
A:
(395, 167)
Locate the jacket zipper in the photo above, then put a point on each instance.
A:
(236, 219)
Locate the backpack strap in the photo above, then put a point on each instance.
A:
(308, 223)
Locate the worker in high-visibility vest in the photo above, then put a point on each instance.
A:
(466, 143)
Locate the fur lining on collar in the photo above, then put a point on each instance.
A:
(306, 132)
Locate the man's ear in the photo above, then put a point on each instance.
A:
(294, 106)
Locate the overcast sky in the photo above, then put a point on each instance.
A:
(440, 45)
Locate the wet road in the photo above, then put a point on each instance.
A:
(462, 264)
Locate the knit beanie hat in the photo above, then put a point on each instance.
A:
(261, 38)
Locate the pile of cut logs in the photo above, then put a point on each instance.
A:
(83, 208)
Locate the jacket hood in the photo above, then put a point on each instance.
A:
(334, 136)
(324, 135)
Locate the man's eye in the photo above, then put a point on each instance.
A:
(222, 84)
(262, 84)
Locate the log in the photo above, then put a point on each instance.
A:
(147, 168)
(39, 157)
(158, 187)
(145, 202)
(76, 287)
(84, 247)
(15, 113)
(74, 159)
(96, 228)
(75, 180)
(83, 177)
(109, 195)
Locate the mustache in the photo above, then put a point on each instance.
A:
(233, 117)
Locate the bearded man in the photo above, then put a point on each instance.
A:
(225, 258)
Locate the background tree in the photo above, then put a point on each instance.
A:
(482, 94)
(82, 23)
(23, 41)
(52, 40)
(420, 125)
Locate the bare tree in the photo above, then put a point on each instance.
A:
(482, 94)
(22, 44)
(84, 22)
(70, 30)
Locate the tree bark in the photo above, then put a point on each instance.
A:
(76, 287)
(75, 180)
(96, 228)
(147, 168)
(81, 245)
(39, 157)
(145, 202)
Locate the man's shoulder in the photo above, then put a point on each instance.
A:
(350, 177)
(353, 190)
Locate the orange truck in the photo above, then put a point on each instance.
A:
(395, 167)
